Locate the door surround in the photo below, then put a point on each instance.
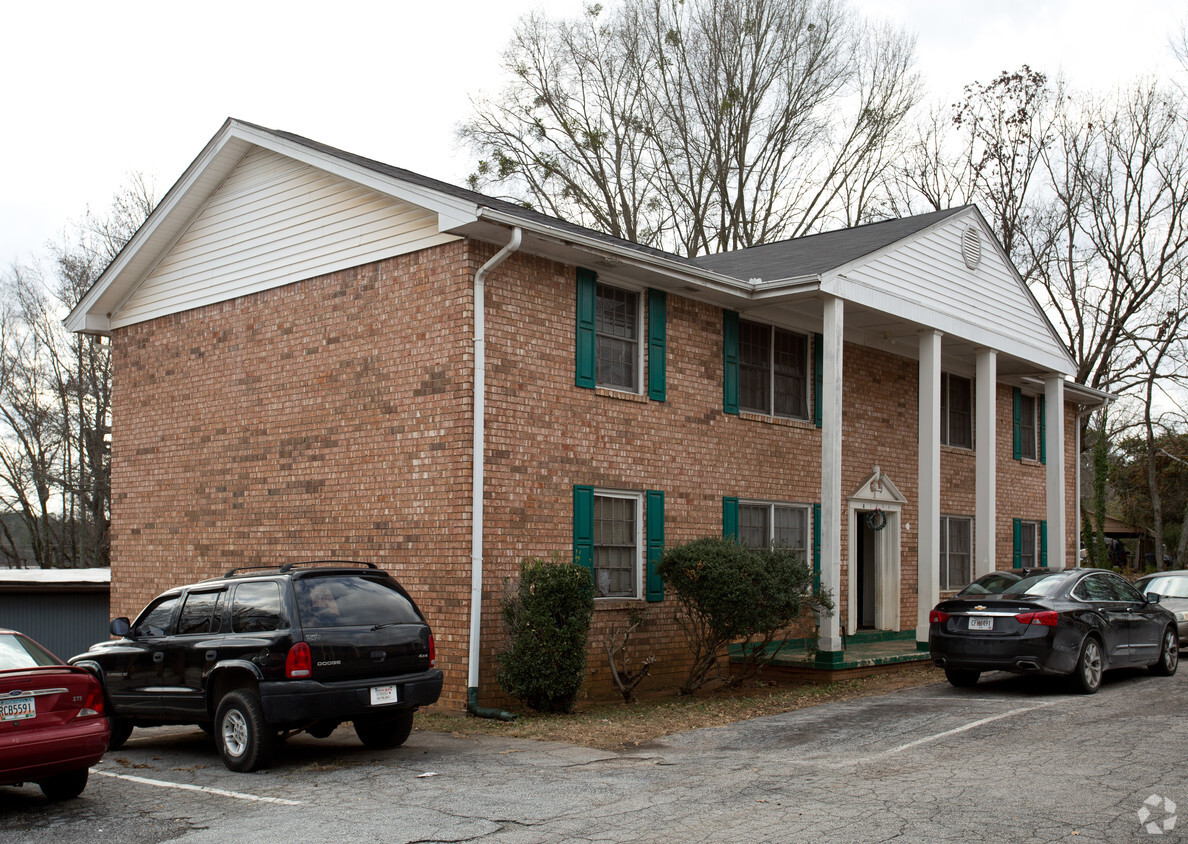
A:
(876, 493)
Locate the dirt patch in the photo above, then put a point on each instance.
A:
(613, 726)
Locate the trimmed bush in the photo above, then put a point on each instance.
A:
(548, 615)
(729, 593)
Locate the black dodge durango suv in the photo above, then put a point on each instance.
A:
(262, 653)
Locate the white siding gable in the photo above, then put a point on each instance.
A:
(274, 221)
(924, 279)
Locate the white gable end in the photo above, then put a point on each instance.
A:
(925, 279)
(271, 222)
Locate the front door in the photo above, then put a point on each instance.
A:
(865, 578)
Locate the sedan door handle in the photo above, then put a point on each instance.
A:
(159, 656)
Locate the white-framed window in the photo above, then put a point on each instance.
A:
(765, 524)
(1029, 426)
(956, 411)
(618, 543)
(618, 349)
(956, 551)
(1029, 544)
(773, 370)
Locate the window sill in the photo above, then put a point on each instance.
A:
(617, 603)
(776, 420)
(957, 449)
(620, 394)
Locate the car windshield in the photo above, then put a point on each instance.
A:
(989, 584)
(351, 601)
(1036, 585)
(18, 652)
(1167, 587)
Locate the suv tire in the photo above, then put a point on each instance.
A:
(121, 729)
(244, 739)
(385, 732)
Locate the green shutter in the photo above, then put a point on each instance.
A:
(583, 527)
(1018, 555)
(1017, 394)
(730, 362)
(584, 351)
(655, 524)
(818, 376)
(1043, 435)
(657, 316)
(1043, 543)
(730, 518)
(817, 547)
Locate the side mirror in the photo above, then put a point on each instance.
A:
(120, 626)
(1153, 597)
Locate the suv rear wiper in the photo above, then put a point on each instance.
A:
(384, 624)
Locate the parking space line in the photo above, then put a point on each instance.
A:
(238, 795)
(965, 727)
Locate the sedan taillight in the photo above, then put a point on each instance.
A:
(937, 617)
(93, 706)
(299, 662)
(1045, 617)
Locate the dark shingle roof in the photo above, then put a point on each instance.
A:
(817, 253)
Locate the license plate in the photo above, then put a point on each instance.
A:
(976, 623)
(383, 694)
(17, 709)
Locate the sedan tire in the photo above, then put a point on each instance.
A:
(1169, 655)
(961, 678)
(64, 786)
(244, 738)
(1087, 675)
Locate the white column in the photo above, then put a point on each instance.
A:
(831, 469)
(928, 530)
(986, 443)
(1054, 456)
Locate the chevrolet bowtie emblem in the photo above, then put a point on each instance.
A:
(979, 607)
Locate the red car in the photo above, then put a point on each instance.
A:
(52, 724)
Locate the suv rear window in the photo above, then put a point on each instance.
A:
(352, 601)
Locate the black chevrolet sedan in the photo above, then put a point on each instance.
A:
(1075, 622)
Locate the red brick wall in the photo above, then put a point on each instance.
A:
(331, 418)
(325, 419)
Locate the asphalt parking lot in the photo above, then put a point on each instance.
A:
(1011, 760)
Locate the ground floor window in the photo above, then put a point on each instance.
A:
(771, 525)
(956, 551)
(617, 543)
(1028, 553)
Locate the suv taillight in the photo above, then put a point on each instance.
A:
(432, 652)
(299, 662)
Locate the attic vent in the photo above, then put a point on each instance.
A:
(971, 247)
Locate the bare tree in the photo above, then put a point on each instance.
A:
(55, 396)
(697, 125)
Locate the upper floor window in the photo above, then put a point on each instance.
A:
(956, 411)
(617, 333)
(773, 370)
(1028, 426)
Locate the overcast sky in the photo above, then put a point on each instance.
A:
(95, 91)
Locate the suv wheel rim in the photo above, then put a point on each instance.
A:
(235, 731)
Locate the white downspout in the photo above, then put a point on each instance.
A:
(478, 463)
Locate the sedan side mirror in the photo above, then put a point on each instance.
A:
(120, 626)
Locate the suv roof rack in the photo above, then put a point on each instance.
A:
(287, 567)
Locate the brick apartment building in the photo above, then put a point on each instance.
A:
(320, 356)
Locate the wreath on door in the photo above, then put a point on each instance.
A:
(876, 519)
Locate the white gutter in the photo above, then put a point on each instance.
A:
(478, 461)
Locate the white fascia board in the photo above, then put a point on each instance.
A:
(868, 296)
(672, 269)
(85, 316)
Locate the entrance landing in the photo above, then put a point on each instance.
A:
(864, 653)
